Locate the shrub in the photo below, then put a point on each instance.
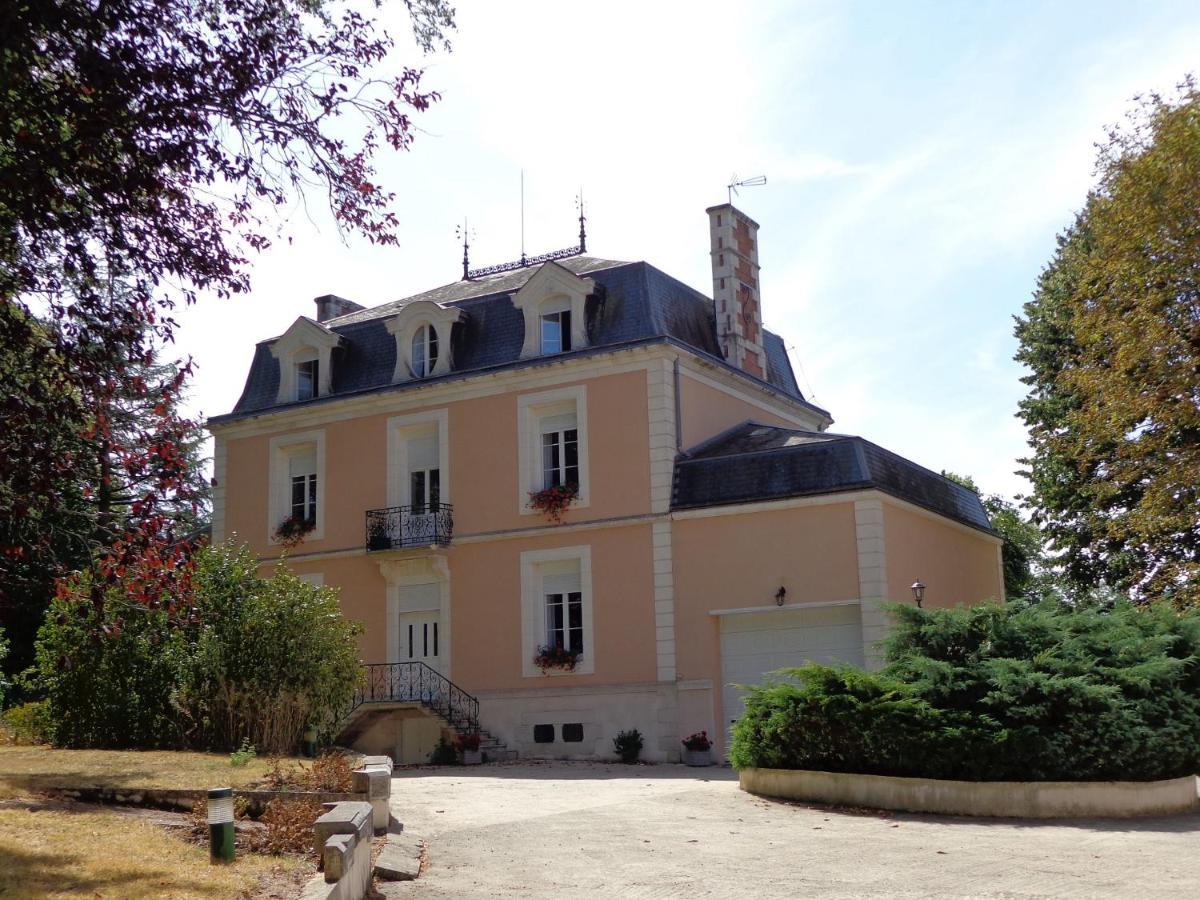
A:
(271, 656)
(628, 744)
(697, 742)
(1018, 691)
(29, 723)
(108, 676)
(243, 754)
(443, 754)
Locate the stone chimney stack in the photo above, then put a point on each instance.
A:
(330, 306)
(734, 238)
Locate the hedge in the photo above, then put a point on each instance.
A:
(996, 692)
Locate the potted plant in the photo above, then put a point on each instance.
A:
(291, 531)
(468, 748)
(556, 656)
(697, 749)
(628, 745)
(378, 536)
(553, 501)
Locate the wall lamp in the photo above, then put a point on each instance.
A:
(918, 590)
(780, 595)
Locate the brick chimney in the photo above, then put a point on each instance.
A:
(330, 306)
(734, 237)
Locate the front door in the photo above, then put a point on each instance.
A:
(420, 638)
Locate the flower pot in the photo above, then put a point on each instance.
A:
(697, 757)
(472, 757)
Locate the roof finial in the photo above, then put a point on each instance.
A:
(734, 184)
(463, 231)
(582, 220)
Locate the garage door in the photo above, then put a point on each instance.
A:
(754, 644)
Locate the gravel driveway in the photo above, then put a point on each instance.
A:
(584, 830)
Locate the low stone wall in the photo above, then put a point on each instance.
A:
(184, 798)
(343, 841)
(1015, 799)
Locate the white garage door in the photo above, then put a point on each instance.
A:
(754, 644)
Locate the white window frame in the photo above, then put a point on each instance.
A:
(303, 358)
(427, 333)
(536, 565)
(399, 430)
(532, 410)
(279, 505)
(556, 307)
(421, 570)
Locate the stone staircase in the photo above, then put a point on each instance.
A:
(389, 686)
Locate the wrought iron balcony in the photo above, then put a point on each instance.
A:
(398, 527)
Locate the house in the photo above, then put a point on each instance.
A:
(715, 530)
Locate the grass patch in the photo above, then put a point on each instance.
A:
(57, 854)
(29, 769)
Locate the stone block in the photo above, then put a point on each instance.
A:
(376, 782)
(400, 859)
(349, 817)
(338, 856)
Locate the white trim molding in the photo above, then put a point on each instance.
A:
(552, 282)
(305, 340)
(660, 403)
(531, 409)
(750, 610)
(220, 473)
(533, 607)
(279, 485)
(404, 325)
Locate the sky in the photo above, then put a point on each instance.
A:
(920, 158)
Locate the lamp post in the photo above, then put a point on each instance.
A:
(220, 825)
(918, 590)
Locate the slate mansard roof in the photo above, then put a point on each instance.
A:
(633, 303)
(753, 462)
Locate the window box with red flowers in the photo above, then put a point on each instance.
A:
(293, 529)
(697, 749)
(554, 501)
(556, 657)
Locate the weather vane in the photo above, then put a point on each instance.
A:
(464, 232)
(582, 220)
(734, 184)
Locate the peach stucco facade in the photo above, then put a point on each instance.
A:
(665, 589)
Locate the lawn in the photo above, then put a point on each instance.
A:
(64, 853)
(103, 854)
(26, 769)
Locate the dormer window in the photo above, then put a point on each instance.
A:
(552, 303)
(556, 331)
(424, 351)
(423, 331)
(305, 354)
(308, 379)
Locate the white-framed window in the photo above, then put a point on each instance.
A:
(564, 620)
(296, 482)
(302, 473)
(556, 328)
(553, 448)
(560, 450)
(308, 379)
(424, 351)
(557, 607)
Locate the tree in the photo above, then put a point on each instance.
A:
(147, 144)
(1022, 554)
(1112, 341)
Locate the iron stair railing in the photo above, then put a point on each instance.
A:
(417, 682)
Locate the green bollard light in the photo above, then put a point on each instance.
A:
(220, 825)
(310, 742)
